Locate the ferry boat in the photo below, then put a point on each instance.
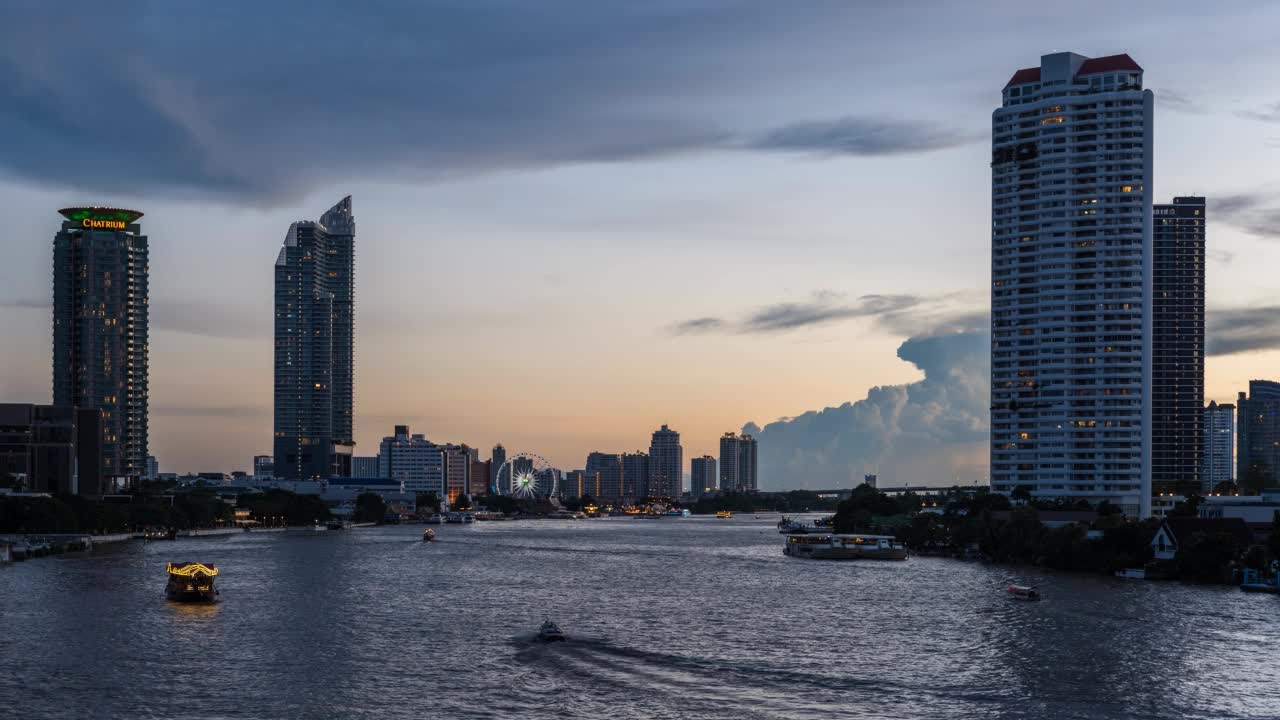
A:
(723, 514)
(191, 582)
(827, 546)
(436, 519)
(453, 518)
(467, 518)
(428, 535)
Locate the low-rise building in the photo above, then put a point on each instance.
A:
(1175, 532)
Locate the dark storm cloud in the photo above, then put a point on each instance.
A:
(264, 101)
(1257, 213)
(1266, 113)
(901, 314)
(862, 136)
(1238, 330)
(1178, 102)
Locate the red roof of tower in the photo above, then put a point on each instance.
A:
(1091, 66)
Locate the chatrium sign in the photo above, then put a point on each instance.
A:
(101, 218)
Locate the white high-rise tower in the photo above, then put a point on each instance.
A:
(1071, 267)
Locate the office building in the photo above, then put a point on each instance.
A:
(497, 467)
(738, 463)
(366, 466)
(51, 448)
(314, 332)
(702, 479)
(1071, 276)
(603, 481)
(1177, 344)
(457, 471)
(635, 475)
(479, 477)
(262, 467)
(100, 330)
(413, 460)
(571, 486)
(1258, 436)
(1219, 445)
(153, 468)
(666, 464)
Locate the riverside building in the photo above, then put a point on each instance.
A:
(100, 331)
(1258, 435)
(1177, 344)
(1071, 266)
(666, 464)
(603, 476)
(1219, 442)
(738, 463)
(314, 335)
(702, 478)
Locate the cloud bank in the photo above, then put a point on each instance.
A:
(263, 102)
(925, 432)
(901, 314)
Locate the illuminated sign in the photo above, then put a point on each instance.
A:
(101, 218)
(103, 224)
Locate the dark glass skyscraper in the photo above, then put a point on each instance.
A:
(314, 371)
(1258, 436)
(1177, 344)
(100, 329)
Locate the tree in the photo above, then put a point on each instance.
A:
(1226, 487)
(1207, 557)
(10, 481)
(462, 502)
(370, 507)
(1021, 493)
(428, 501)
(1186, 508)
(1273, 540)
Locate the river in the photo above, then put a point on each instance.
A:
(673, 618)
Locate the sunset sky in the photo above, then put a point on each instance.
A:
(577, 221)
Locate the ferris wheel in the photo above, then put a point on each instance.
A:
(527, 475)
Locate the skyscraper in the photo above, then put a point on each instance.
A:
(1071, 282)
(737, 463)
(666, 464)
(1219, 444)
(1258, 436)
(603, 476)
(315, 287)
(496, 461)
(635, 475)
(702, 479)
(100, 329)
(1177, 343)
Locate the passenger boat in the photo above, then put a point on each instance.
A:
(723, 514)
(436, 519)
(453, 518)
(828, 546)
(550, 632)
(787, 526)
(467, 519)
(191, 582)
(1132, 574)
(1023, 592)
(1254, 581)
(428, 535)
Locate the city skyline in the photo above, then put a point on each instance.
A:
(830, 301)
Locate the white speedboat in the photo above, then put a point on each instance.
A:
(550, 632)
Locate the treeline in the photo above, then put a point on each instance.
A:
(985, 525)
(76, 514)
(793, 501)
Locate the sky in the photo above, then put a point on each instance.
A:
(577, 221)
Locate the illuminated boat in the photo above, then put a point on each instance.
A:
(826, 546)
(191, 582)
(428, 535)
(723, 514)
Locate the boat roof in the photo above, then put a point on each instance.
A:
(188, 569)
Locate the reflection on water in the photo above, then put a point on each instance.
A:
(679, 618)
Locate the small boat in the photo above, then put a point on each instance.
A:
(1023, 592)
(428, 535)
(436, 519)
(191, 582)
(550, 632)
(724, 514)
(1132, 574)
(453, 518)
(337, 525)
(1255, 581)
(468, 518)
